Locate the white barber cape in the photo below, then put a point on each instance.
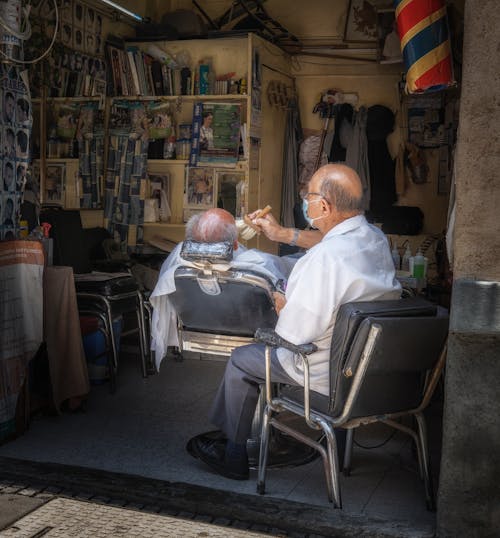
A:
(164, 319)
(351, 263)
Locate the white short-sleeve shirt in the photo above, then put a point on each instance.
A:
(351, 263)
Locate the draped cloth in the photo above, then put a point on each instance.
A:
(125, 183)
(293, 137)
(357, 153)
(21, 322)
(67, 364)
(425, 44)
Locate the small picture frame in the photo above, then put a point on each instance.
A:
(199, 192)
(53, 187)
(159, 189)
(231, 191)
(361, 22)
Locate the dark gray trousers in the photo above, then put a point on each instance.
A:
(236, 399)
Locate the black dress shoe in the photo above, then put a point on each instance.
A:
(215, 437)
(213, 452)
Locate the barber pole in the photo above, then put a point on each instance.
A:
(425, 44)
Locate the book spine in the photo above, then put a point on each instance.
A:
(133, 70)
(156, 73)
(148, 61)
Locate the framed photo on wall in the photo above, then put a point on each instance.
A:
(361, 20)
(199, 192)
(53, 188)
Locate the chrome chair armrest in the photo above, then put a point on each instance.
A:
(270, 338)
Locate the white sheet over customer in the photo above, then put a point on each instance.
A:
(164, 320)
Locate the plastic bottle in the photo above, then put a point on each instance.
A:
(419, 265)
(405, 264)
(47, 243)
(396, 258)
(169, 148)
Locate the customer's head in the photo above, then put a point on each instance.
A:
(334, 194)
(212, 226)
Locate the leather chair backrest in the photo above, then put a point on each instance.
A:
(349, 318)
(406, 350)
(208, 252)
(70, 245)
(242, 302)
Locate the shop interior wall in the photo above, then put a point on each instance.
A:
(374, 84)
(314, 23)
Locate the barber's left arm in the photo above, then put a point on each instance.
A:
(279, 301)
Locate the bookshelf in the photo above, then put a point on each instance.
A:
(248, 60)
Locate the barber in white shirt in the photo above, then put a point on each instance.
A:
(211, 226)
(352, 262)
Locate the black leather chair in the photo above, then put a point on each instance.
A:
(386, 359)
(219, 307)
(105, 294)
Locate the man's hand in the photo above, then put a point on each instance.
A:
(269, 226)
(279, 301)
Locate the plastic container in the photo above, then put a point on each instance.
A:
(47, 243)
(94, 346)
(405, 263)
(419, 265)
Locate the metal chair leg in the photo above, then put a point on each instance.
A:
(333, 465)
(426, 471)
(349, 440)
(263, 453)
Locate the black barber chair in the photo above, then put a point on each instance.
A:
(219, 307)
(386, 359)
(104, 295)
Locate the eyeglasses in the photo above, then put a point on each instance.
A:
(307, 194)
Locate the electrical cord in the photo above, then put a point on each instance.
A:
(13, 32)
(392, 434)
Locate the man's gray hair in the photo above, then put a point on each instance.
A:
(210, 229)
(335, 193)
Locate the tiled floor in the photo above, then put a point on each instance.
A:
(143, 428)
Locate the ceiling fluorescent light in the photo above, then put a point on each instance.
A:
(124, 10)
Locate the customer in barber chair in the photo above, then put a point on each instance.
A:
(211, 226)
(352, 262)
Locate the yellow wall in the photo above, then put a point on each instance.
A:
(321, 22)
(374, 84)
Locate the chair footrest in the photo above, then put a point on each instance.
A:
(212, 344)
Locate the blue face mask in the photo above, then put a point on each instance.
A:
(305, 206)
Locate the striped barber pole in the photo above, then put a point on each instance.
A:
(425, 44)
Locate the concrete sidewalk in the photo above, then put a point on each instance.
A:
(62, 518)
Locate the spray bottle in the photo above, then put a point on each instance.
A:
(48, 243)
(396, 258)
(405, 264)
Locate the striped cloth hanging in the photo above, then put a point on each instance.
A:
(425, 44)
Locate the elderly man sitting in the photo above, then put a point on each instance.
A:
(352, 262)
(212, 226)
